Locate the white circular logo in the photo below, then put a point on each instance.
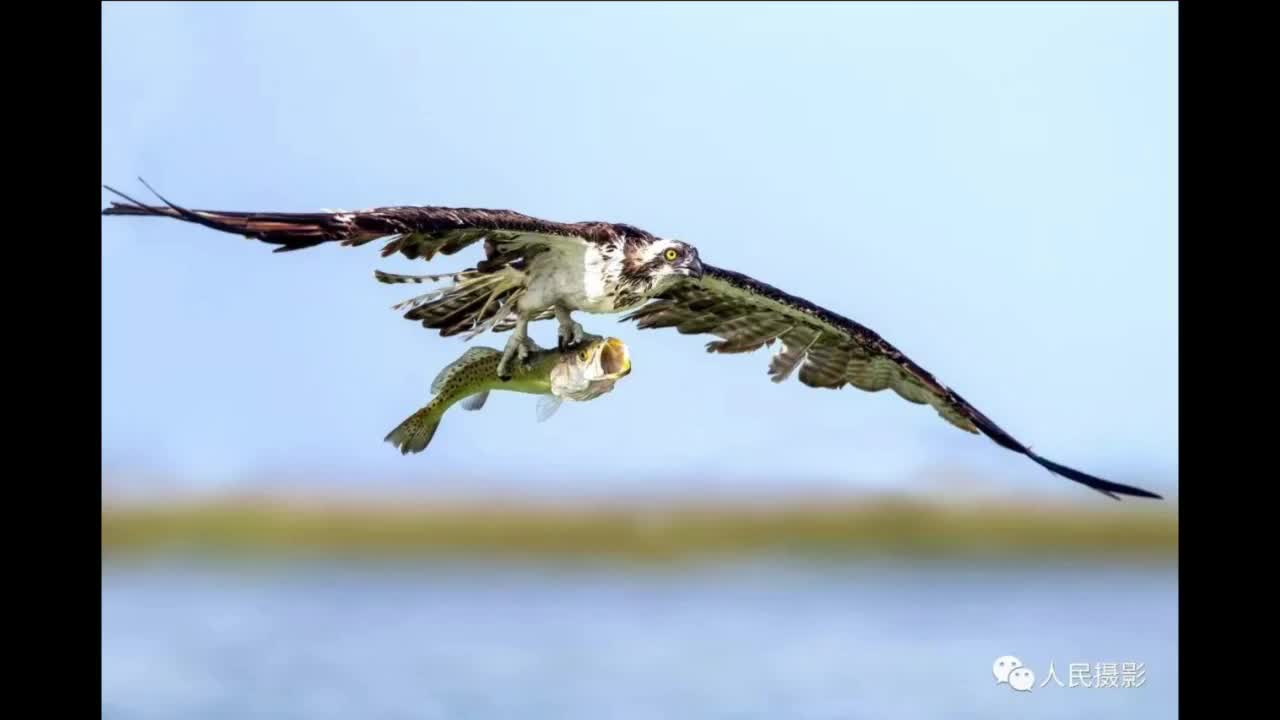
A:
(1022, 679)
(1003, 666)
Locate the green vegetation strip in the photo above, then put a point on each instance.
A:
(647, 533)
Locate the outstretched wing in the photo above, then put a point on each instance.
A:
(827, 350)
(413, 231)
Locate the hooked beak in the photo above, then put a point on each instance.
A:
(695, 268)
(615, 359)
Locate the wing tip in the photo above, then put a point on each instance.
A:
(1112, 490)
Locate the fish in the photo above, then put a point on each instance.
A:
(579, 372)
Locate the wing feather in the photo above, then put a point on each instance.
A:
(827, 349)
(413, 231)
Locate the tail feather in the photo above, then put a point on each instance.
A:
(465, 278)
(392, 278)
(415, 433)
(417, 300)
(465, 317)
(474, 299)
(501, 313)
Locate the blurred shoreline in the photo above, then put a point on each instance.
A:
(656, 530)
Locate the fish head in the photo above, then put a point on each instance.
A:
(591, 369)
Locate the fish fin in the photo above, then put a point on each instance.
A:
(468, 357)
(547, 406)
(474, 402)
(415, 433)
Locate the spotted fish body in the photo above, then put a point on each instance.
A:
(581, 372)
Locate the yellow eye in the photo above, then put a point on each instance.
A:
(671, 254)
(585, 355)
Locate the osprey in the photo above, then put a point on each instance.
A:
(535, 269)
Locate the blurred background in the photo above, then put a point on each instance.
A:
(991, 187)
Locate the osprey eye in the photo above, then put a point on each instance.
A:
(671, 254)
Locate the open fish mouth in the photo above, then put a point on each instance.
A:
(615, 358)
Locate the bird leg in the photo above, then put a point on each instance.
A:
(519, 345)
(570, 332)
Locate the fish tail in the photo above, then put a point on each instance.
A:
(415, 433)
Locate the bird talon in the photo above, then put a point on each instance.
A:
(519, 350)
(570, 334)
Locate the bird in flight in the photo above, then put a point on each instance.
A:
(535, 269)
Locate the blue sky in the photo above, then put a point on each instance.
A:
(992, 187)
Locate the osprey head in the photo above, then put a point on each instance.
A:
(659, 263)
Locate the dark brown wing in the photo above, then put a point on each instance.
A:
(413, 231)
(828, 350)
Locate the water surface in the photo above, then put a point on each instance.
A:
(467, 639)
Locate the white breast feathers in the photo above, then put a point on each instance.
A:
(578, 278)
